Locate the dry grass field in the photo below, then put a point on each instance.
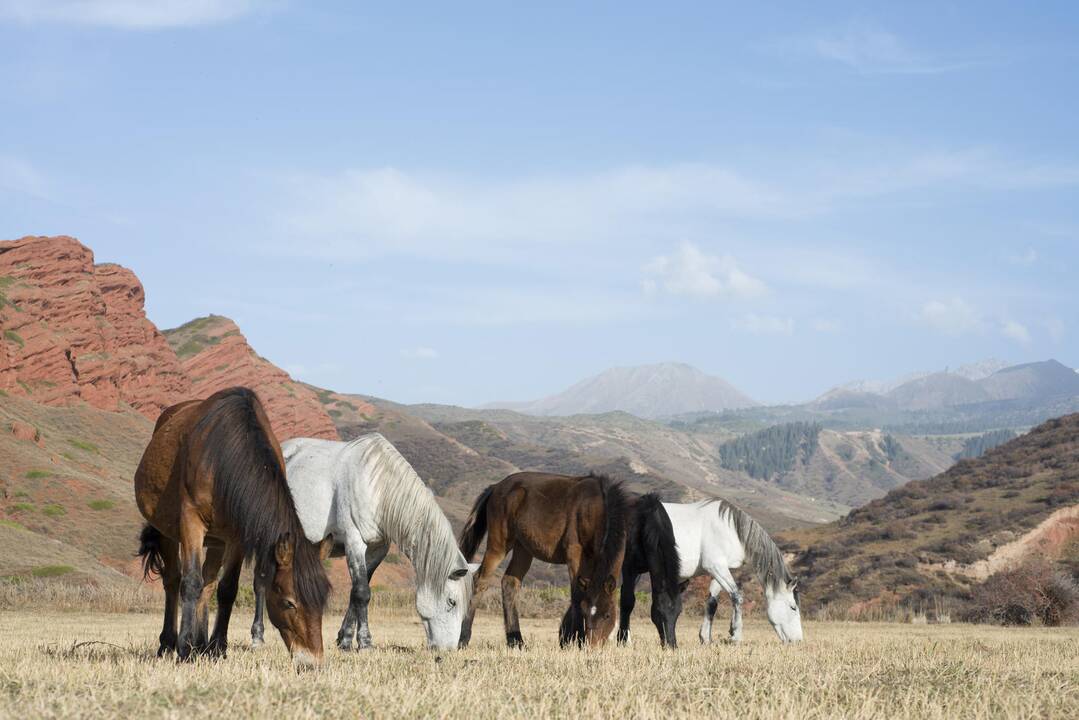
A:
(50, 667)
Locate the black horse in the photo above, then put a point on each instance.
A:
(650, 548)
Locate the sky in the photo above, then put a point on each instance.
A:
(470, 202)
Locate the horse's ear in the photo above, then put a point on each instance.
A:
(582, 584)
(473, 568)
(793, 584)
(283, 550)
(325, 548)
(609, 585)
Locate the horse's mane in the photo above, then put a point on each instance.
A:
(249, 483)
(761, 550)
(656, 533)
(613, 541)
(408, 513)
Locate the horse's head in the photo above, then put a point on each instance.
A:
(597, 606)
(783, 610)
(666, 607)
(443, 606)
(299, 623)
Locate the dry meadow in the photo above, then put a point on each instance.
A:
(65, 664)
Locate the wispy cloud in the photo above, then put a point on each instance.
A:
(419, 353)
(954, 316)
(127, 14)
(692, 272)
(869, 49)
(1015, 331)
(764, 324)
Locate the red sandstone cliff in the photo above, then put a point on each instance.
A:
(74, 331)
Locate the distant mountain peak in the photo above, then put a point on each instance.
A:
(648, 391)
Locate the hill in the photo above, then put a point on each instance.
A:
(935, 538)
(647, 391)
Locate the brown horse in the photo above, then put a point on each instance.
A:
(211, 485)
(576, 521)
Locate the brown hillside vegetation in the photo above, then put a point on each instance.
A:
(925, 539)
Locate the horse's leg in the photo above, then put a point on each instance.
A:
(511, 585)
(359, 595)
(726, 580)
(567, 630)
(210, 569)
(575, 629)
(226, 596)
(372, 559)
(257, 627)
(492, 557)
(626, 601)
(170, 579)
(192, 556)
(710, 611)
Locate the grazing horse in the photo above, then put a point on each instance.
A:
(365, 495)
(651, 548)
(211, 485)
(576, 521)
(713, 537)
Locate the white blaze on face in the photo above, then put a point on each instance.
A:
(592, 612)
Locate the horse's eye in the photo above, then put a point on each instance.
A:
(289, 605)
(452, 603)
(794, 608)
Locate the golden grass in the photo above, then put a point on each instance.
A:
(843, 670)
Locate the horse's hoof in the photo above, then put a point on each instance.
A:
(345, 646)
(257, 642)
(515, 641)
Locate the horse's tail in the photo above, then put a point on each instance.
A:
(476, 525)
(153, 560)
(657, 540)
(613, 542)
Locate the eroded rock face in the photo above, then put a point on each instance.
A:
(216, 355)
(73, 330)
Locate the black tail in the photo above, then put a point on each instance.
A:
(657, 541)
(153, 562)
(476, 525)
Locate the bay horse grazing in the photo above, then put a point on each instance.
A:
(713, 537)
(364, 495)
(576, 521)
(651, 548)
(211, 485)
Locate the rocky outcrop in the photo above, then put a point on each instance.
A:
(73, 330)
(216, 355)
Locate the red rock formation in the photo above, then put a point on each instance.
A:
(76, 331)
(215, 355)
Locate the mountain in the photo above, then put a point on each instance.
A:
(647, 391)
(1032, 381)
(936, 538)
(938, 390)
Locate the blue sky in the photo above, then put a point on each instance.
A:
(470, 202)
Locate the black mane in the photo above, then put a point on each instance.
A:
(655, 545)
(613, 542)
(249, 483)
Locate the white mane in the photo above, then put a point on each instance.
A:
(407, 512)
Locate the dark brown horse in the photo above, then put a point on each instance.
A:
(576, 521)
(211, 485)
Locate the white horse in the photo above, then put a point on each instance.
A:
(713, 537)
(365, 495)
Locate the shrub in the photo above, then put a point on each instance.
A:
(101, 504)
(1034, 590)
(46, 571)
(37, 474)
(54, 510)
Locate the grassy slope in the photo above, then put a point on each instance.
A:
(962, 515)
(69, 503)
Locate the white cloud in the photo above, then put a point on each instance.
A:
(764, 324)
(870, 50)
(1015, 331)
(419, 353)
(951, 317)
(128, 14)
(692, 272)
